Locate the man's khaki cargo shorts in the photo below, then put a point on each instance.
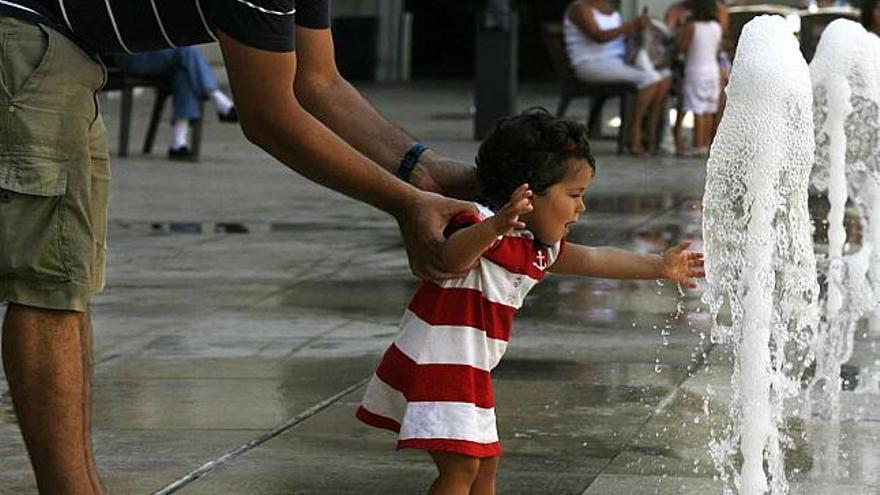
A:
(54, 170)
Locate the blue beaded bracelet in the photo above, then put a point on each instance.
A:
(408, 163)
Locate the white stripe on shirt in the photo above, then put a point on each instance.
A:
(498, 285)
(204, 22)
(449, 420)
(265, 10)
(64, 14)
(161, 26)
(384, 400)
(428, 419)
(20, 7)
(445, 344)
(115, 27)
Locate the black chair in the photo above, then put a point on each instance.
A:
(740, 15)
(119, 80)
(814, 23)
(599, 92)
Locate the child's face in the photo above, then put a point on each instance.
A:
(558, 208)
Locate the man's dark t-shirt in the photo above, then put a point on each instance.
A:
(120, 26)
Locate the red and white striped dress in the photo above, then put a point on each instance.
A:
(433, 385)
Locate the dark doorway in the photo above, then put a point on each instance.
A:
(444, 37)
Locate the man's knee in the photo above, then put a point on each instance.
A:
(21, 318)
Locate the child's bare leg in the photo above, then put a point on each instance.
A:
(484, 483)
(456, 473)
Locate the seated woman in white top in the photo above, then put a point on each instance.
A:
(594, 40)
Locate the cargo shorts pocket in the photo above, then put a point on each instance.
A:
(32, 193)
(25, 50)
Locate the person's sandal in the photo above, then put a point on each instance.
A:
(637, 151)
(182, 154)
(230, 115)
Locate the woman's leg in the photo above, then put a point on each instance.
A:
(456, 473)
(644, 98)
(677, 128)
(711, 127)
(615, 70)
(699, 130)
(198, 70)
(484, 483)
(187, 98)
(657, 106)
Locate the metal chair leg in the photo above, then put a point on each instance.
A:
(626, 104)
(594, 118)
(125, 121)
(158, 106)
(197, 136)
(564, 102)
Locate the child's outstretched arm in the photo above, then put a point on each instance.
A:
(464, 247)
(676, 263)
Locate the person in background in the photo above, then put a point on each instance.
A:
(700, 40)
(677, 16)
(725, 60)
(191, 82)
(594, 40)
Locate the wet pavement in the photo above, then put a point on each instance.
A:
(245, 307)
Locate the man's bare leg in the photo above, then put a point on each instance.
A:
(88, 366)
(47, 359)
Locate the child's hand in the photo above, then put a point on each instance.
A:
(507, 218)
(681, 265)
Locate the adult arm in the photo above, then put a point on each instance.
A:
(273, 119)
(723, 17)
(581, 13)
(676, 263)
(685, 37)
(325, 94)
(673, 14)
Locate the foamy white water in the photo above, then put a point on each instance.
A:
(845, 84)
(759, 252)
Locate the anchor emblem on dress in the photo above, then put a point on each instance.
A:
(541, 264)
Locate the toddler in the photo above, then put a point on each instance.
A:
(433, 385)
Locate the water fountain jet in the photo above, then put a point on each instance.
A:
(759, 251)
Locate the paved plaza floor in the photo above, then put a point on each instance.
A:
(245, 308)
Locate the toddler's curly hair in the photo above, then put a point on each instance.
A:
(532, 147)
